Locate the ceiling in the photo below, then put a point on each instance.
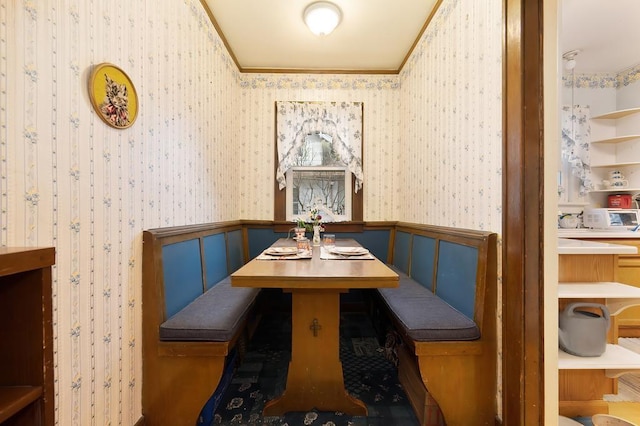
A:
(374, 36)
(607, 33)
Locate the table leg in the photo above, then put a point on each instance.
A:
(315, 377)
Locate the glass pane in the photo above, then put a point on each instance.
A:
(318, 187)
(317, 150)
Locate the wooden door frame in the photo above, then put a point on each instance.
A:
(522, 218)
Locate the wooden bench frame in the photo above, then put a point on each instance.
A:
(178, 377)
(460, 375)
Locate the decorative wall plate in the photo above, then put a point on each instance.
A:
(113, 96)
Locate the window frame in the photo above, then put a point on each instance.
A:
(280, 196)
(348, 177)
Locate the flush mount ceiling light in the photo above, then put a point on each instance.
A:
(322, 17)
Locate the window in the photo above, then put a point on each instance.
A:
(318, 160)
(318, 181)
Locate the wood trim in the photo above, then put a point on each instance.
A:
(212, 18)
(435, 9)
(258, 70)
(316, 71)
(523, 237)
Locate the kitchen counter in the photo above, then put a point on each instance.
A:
(569, 246)
(596, 233)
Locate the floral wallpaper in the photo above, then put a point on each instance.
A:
(69, 180)
(202, 150)
(603, 80)
(451, 119)
(380, 97)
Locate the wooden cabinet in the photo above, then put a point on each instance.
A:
(26, 336)
(583, 381)
(627, 271)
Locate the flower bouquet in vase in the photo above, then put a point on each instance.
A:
(316, 224)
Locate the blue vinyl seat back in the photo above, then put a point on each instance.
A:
(401, 251)
(376, 241)
(423, 255)
(235, 254)
(456, 276)
(262, 238)
(182, 268)
(215, 258)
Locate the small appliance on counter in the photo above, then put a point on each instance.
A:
(611, 219)
(619, 201)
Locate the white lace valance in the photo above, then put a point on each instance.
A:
(576, 134)
(342, 121)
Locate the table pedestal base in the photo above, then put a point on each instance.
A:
(315, 377)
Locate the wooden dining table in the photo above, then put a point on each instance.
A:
(315, 379)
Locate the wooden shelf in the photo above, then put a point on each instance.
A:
(616, 114)
(26, 358)
(15, 398)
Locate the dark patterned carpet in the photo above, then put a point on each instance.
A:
(261, 376)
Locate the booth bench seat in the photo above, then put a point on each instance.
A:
(423, 316)
(445, 313)
(192, 319)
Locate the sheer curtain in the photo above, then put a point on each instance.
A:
(340, 120)
(576, 134)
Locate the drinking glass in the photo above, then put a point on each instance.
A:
(329, 240)
(304, 246)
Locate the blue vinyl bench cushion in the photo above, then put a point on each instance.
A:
(424, 316)
(214, 316)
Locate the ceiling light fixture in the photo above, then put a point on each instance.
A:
(322, 17)
(570, 58)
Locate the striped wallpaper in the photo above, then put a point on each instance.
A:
(201, 150)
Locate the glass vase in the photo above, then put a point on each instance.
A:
(316, 235)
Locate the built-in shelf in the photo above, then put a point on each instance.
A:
(573, 204)
(618, 190)
(26, 357)
(631, 163)
(617, 139)
(15, 398)
(617, 114)
(616, 360)
(618, 296)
